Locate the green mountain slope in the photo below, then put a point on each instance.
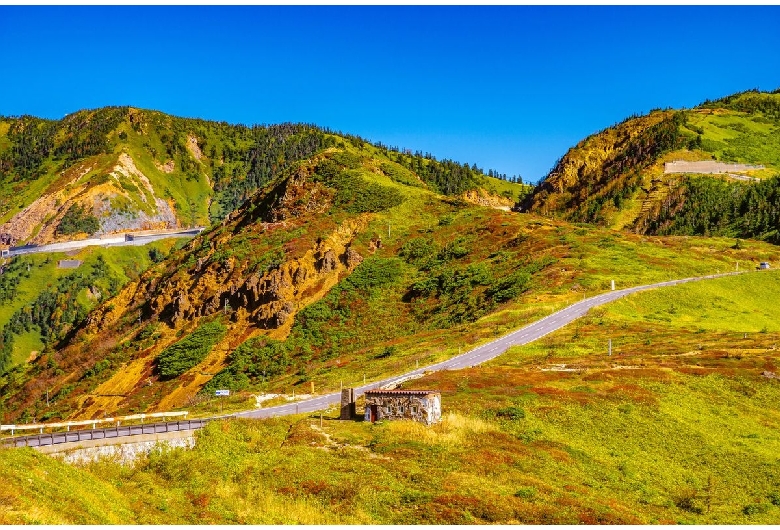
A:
(679, 426)
(617, 177)
(120, 168)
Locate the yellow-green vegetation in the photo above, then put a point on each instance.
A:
(616, 177)
(38, 489)
(507, 189)
(40, 302)
(679, 425)
(414, 301)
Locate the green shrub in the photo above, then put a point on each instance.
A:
(388, 351)
(254, 360)
(373, 273)
(354, 194)
(77, 220)
(511, 413)
(526, 493)
(774, 498)
(419, 251)
(188, 352)
(400, 175)
(755, 509)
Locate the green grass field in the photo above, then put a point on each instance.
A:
(678, 426)
(39, 272)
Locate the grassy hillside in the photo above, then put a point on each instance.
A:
(616, 177)
(128, 169)
(678, 426)
(40, 303)
(448, 274)
(286, 248)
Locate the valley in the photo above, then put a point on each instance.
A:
(327, 261)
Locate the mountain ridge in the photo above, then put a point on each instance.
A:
(616, 177)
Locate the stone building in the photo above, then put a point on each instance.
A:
(418, 405)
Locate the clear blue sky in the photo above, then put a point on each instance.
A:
(510, 88)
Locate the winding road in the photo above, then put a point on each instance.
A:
(479, 355)
(137, 239)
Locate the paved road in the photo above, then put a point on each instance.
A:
(120, 241)
(478, 355)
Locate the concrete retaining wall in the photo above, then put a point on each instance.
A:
(705, 166)
(124, 449)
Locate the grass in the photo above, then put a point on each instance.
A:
(124, 264)
(25, 344)
(663, 432)
(737, 137)
(511, 190)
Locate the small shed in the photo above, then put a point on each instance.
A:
(418, 405)
(764, 265)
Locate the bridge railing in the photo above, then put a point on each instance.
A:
(54, 438)
(41, 427)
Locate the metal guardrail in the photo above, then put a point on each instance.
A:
(54, 438)
(40, 427)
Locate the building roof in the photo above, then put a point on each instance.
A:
(402, 392)
(69, 263)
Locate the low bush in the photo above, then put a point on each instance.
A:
(77, 220)
(188, 352)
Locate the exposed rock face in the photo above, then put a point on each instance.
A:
(193, 147)
(269, 297)
(352, 258)
(209, 278)
(148, 211)
(584, 170)
(22, 225)
(167, 167)
(484, 198)
(159, 216)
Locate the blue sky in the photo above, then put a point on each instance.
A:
(508, 87)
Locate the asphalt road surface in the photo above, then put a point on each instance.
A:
(118, 241)
(479, 355)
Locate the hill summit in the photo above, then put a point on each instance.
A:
(710, 170)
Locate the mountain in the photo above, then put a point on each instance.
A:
(344, 262)
(312, 222)
(118, 169)
(710, 170)
(350, 261)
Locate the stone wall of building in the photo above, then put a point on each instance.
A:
(424, 407)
